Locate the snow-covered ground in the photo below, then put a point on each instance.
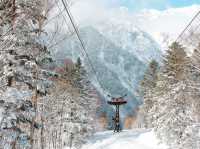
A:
(130, 139)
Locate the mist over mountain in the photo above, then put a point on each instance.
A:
(120, 53)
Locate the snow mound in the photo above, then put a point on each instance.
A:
(132, 139)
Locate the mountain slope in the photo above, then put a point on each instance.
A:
(120, 54)
(132, 139)
(132, 39)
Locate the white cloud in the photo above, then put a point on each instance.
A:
(159, 24)
(90, 11)
(171, 21)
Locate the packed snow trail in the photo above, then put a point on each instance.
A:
(132, 139)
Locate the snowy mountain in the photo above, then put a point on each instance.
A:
(131, 39)
(119, 52)
(136, 139)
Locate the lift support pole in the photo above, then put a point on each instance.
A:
(117, 102)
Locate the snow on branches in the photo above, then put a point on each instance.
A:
(175, 100)
(22, 57)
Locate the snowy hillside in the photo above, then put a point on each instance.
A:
(132, 139)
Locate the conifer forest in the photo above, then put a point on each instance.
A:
(97, 74)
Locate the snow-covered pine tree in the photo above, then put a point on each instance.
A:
(56, 110)
(174, 62)
(147, 86)
(83, 107)
(22, 76)
(73, 107)
(150, 78)
(192, 133)
(193, 79)
(172, 113)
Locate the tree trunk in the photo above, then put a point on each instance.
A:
(34, 100)
(13, 13)
(42, 134)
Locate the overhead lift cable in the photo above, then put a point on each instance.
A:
(65, 20)
(186, 28)
(81, 43)
(50, 45)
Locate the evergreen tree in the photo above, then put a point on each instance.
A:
(84, 106)
(150, 78)
(79, 63)
(74, 102)
(174, 62)
(195, 79)
(22, 76)
(171, 111)
(146, 92)
(191, 136)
